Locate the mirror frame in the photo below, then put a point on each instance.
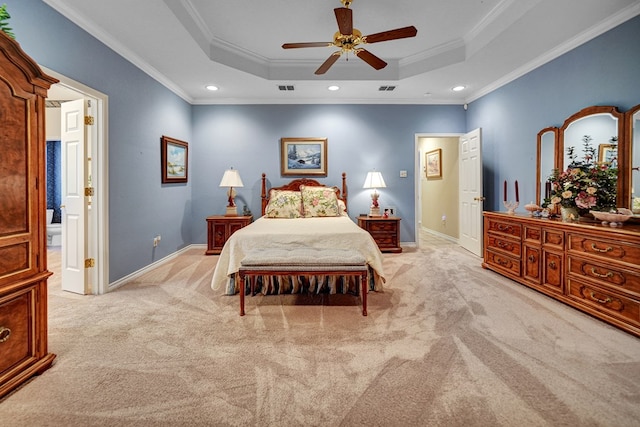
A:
(556, 132)
(623, 191)
(625, 153)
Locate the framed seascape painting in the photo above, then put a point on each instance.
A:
(303, 156)
(433, 163)
(174, 160)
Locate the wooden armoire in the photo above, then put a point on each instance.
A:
(23, 251)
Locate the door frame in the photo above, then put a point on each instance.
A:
(417, 177)
(98, 227)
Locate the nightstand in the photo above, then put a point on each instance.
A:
(385, 231)
(220, 228)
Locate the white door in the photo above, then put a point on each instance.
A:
(471, 198)
(74, 208)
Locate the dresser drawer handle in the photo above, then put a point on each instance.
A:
(503, 262)
(503, 227)
(532, 258)
(603, 276)
(552, 265)
(595, 248)
(5, 333)
(601, 301)
(504, 245)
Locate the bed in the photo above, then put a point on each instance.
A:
(303, 214)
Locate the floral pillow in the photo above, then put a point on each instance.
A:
(319, 201)
(284, 204)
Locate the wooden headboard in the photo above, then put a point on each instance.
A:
(295, 186)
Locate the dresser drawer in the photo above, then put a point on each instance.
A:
(532, 234)
(505, 227)
(608, 275)
(553, 238)
(503, 244)
(503, 262)
(605, 249)
(603, 301)
(16, 325)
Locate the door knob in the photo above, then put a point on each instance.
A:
(479, 199)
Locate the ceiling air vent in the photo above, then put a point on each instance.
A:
(286, 87)
(386, 88)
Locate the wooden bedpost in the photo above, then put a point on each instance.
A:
(344, 190)
(263, 194)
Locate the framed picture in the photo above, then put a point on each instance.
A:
(433, 163)
(303, 156)
(608, 153)
(174, 160)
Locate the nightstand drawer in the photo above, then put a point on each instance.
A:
(385, 231)
(220, 228)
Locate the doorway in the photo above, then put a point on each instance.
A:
(96, 236)
(437, 210)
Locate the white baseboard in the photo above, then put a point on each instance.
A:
(442, 236)
(128, 278)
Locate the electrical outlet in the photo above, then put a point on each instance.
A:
(444, 218)
(403, 174)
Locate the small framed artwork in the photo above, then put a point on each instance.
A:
(433, 163)
(389, 211)
(303, 156)
(174, 160)
(608, 153)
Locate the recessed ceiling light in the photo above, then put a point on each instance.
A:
(212, 87)
(334, 87)
(458, 88)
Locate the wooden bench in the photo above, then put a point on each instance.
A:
(303, 262)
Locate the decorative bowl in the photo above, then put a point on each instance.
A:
(614, 219)
(532, 207)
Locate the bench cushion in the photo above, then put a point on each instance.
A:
(308, 257)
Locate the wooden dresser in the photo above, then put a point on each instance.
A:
(592, 267)
(23, 252)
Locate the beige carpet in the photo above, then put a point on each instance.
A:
(447, 344)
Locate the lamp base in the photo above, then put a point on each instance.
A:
(231, 211)
(374, 211)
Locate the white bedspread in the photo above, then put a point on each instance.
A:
(320, 233)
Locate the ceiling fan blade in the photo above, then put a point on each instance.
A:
(309, 44)
(344, 17)
(399, 33)
(371, 59)
(328, 63)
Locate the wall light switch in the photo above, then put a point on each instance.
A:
(403, 174)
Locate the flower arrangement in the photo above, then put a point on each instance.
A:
(585, 184)
(4, 21)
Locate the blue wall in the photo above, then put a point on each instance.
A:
(140, 111)
(361, 137)
(604, 71)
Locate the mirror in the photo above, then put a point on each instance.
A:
(601, 123)
(547, 160)
(633, 174)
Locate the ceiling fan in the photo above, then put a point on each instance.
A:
(348, 39)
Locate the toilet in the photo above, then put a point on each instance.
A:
(54, 230)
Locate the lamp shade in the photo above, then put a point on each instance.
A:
(374, 180)
(231, 178)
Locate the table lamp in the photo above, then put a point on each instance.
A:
(374, 180)
(231, 179)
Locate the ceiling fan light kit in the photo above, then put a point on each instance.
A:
(348, 39)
